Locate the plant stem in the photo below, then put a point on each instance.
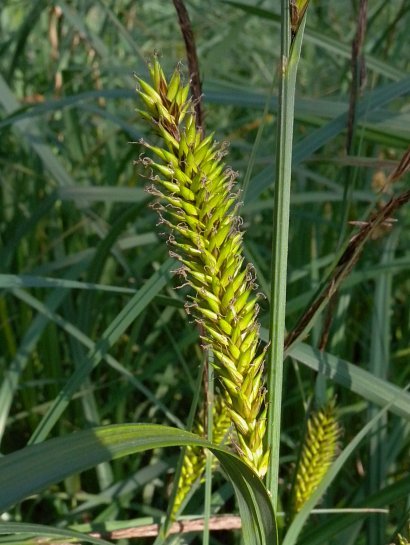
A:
(290, 51)
(190, 423)
(208, 470)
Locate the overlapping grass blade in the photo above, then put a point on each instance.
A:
(336, 524)
(79, 336)
(354, 378)
(9, 281)
(305, 147)
(117, 327)
(327, 43)
(16, 368)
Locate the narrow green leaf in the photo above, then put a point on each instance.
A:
(290, 55)
(8, 281)
(11, 376)
(117, 327)
(354, 378)
(105, 194)
(327, 43)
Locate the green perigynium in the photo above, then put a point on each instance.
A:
(199, 206)
(319, 449)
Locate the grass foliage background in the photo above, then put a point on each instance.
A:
(78, 240)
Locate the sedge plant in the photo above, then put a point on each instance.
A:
(23, 329)
(197, 204)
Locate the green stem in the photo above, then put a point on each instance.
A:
(190, 422)
(290, 52)
(208, 468)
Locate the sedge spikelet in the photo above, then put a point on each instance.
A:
(194, 462)
(318, 451)
(199, 207)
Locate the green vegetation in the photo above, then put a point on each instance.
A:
(101, 369)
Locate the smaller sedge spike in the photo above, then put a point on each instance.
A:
(319, 449)
(194, 462)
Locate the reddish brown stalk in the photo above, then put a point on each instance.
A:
(402, 168)
(193, 64)
(327, 324)
(348, 259)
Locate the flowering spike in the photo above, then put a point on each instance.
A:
(201, 214)
(318, 451)
(194, 460)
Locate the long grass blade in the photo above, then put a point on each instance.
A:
(290, 54)
(128, 314)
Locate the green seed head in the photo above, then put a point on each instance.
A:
(200, 211)
(318, 451)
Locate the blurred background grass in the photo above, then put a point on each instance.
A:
(73, 209)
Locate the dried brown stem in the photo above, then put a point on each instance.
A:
(324, 336)
(193, 64)
(221, 522)
(402, 168)
(345, 264)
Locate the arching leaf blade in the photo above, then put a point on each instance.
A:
(37, 466)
